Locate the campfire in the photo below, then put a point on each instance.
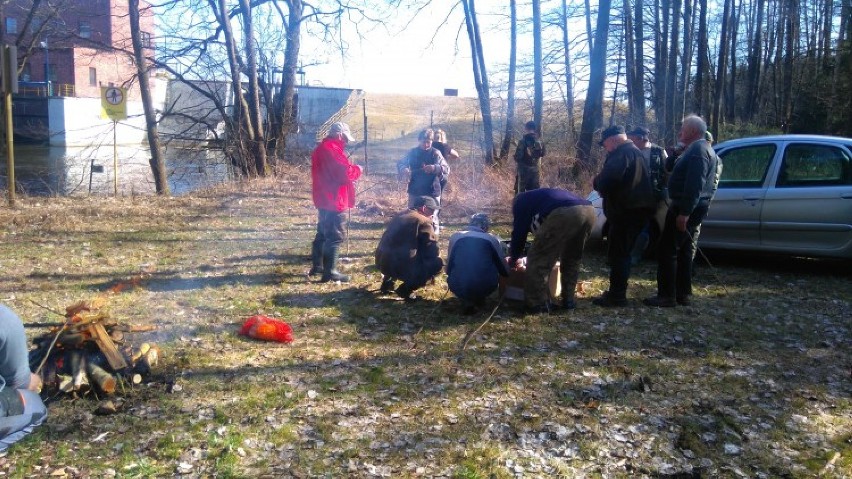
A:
(90, 352)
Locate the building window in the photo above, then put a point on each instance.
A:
(26, 73)
(11, 25)
(93, 76)
(85, 29)
(146, 40)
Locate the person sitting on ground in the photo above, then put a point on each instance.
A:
(474, 262)
(408, 250)
(21, 408)
(426, 168)
(561, 222)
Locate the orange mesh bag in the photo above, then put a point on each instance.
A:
(267, 329)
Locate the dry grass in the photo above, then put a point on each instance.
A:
(751, 381)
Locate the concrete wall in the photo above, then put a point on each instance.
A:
(78, 122)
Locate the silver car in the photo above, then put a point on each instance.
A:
(786, 193)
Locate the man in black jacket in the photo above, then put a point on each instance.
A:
(692, 185)
(628, 200)
(528, 156)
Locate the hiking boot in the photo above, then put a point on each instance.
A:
(329, 264)
(406, 293)
(659, 302)
(387, 286)
(607, 301)
(316, 259)
(569, 304)
(334, 276)
(684, 300)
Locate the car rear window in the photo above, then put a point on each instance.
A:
(746, 166)
(814, 165)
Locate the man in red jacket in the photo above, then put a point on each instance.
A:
(334, 193)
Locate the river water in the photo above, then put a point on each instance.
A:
(74, 171)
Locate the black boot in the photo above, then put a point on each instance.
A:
(329, 264)
(316, 259)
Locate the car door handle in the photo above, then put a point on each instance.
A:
(755, 198)
(846, 196)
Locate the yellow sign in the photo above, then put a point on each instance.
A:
(113, 103)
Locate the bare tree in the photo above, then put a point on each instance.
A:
(157, 160)
(510, 100)
(721, 68)
(538, 81)
(593, 108)
(480, 75)
(569, 76)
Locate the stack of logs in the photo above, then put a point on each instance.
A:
(90, 351)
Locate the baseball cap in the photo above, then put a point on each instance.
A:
(611, 131)
(639, 131)
(343, 129)
(480, 220)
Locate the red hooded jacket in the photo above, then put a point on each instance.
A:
(333, 176)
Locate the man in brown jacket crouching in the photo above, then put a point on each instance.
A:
(408, 250)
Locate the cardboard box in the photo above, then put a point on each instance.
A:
(512, 287)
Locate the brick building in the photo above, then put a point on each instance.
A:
(73, 47)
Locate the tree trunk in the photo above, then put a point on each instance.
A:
(258, 142)
(702, 69)
(284, 116)
(671, 74)
(630, 65)
(754, 65)
(244, 132)
(593, 107)
(510, 101)
(538, 78)
(639, 58)
(661, 30)
(730, 96)
(569, 75)
(480, 75)
(790, 49)
(686, 57)
(156, 161)
(721, 69)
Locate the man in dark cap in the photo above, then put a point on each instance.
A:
(628, 200)
(655, 161)
(333, 179)
(561, 222)
(474, 263)
(408, 250)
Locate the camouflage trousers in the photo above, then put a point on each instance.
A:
(561, 237)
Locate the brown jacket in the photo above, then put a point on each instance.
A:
(408, 247)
